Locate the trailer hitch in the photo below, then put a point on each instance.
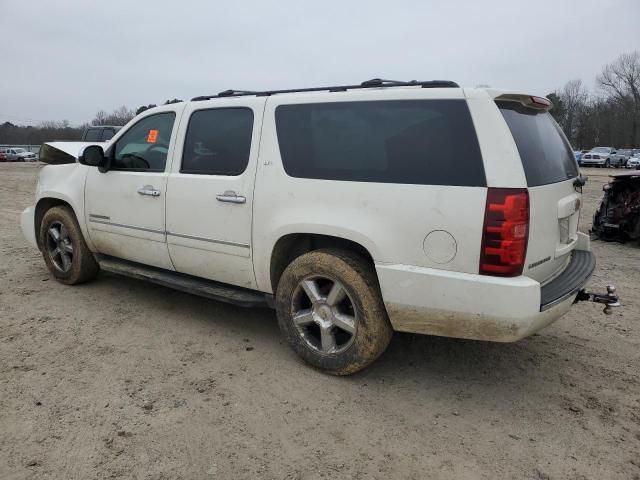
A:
(609, 299)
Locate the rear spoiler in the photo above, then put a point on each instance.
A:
(529, 101)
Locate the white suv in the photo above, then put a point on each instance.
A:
(353, 210)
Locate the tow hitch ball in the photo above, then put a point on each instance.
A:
(610, 299)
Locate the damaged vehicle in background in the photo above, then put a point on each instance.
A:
(618, 217)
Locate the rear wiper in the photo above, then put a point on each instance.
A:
(580, 181)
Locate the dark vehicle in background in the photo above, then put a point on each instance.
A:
(100, 133)
(618, 217)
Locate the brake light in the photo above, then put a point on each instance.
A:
(505, 232)
(543, 102)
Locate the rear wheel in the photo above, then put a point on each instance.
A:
(330, 310)
(63, 247)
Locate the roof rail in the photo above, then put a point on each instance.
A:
(373, 83)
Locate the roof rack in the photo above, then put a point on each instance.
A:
(373, 83)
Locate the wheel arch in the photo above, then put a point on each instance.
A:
(44, 204)
(292, 245)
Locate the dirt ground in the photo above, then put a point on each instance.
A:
(123, 379)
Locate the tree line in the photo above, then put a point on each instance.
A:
(608, 116)
(11, 134)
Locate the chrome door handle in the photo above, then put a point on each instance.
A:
(149, 190)
(231, 197)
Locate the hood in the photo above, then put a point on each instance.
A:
(57, 153)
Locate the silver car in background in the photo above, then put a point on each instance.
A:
(598, 157)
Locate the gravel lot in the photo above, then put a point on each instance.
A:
(124, 379)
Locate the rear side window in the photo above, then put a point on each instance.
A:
(218, 141)
(427, 142)
(107, 134)
(544, 150)
(93, 135)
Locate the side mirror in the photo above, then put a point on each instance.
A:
(93, 156)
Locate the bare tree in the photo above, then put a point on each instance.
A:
(621, 80)
(100, 118)
(574, 98)
(119, 116)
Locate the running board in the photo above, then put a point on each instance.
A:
(186, 283)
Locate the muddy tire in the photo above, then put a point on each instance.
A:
(63, 247)
(331, 312)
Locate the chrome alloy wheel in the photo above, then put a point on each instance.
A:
(59, 246)
(324, 314)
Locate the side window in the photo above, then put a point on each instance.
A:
(145, 145)
(424, 142)
(218, 141)
(92, 135)
(107, 134)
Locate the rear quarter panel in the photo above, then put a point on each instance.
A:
(390, 220)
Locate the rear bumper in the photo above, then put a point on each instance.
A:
(462, 305)
(570, 281)
(27, 224)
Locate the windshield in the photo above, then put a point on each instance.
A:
(19, 150)
(601, 150)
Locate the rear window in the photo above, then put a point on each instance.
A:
(107, 134)
(544, 150)
(93, 135)
(427, 142)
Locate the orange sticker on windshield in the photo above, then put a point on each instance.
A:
(153, 136)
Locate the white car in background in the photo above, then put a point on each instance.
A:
(634, 162)
(20, 155)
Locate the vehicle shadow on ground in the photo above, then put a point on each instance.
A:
(410, 359)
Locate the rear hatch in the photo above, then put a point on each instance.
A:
(550, 169)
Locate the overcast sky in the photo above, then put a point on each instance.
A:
(67, 59)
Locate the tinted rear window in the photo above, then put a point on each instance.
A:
(107, 134)
(93, 135)
(428, 142)
(546, 155)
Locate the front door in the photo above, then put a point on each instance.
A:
(125, 207)
(210, 190)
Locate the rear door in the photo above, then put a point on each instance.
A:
(550, 170)
(210, 190)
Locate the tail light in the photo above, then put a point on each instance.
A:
(505, 232)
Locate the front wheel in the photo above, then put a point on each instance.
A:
(331, 312)
(607, 164)
(63, 247)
